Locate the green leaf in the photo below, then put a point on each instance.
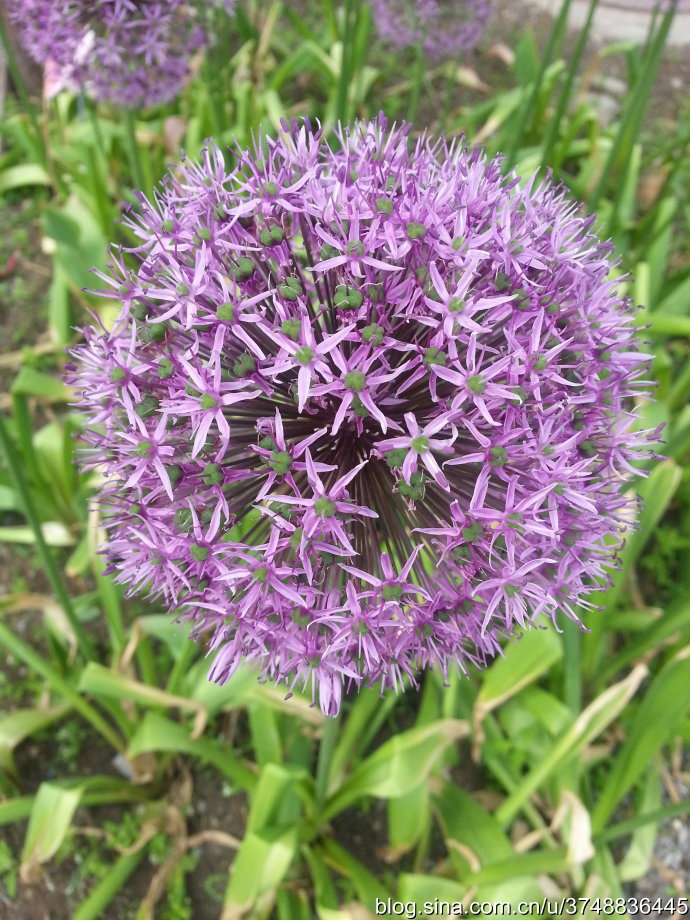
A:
(98, 681)
(161, 627)
(322, 882)
(677, 301)
(17, 809)
(431, 888)
(367, 713)
(266, 740)
(673, 622)
(637, 861)
(244, 689)
(261, 864)
(53, 532)
(662, 708)
(49, 823)
(522, 663)
(54, 452)
(79, 243)
(464, 821)
(399, 765)
(293, 905)
(22, 723)
(276, 785)
(591, 722)
(408, 819)
(8, 499)
(93, 908)
(656, 492)
(156, 733)
(23, 175)
(30, 382)
(367, 886)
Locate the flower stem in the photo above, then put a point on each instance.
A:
(331, 730)
(133, 152)
(417, 81)
(341, 108)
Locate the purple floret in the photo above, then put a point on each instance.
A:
(445, 28)
(129, 53)
(366, 410)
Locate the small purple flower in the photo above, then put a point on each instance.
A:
(445, 28)
(130, 53)
(365, 410)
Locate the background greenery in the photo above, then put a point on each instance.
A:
(129, 785)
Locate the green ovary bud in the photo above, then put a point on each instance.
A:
(473, 533)
(396, 457)
(434, 356)
(165, 368)
(476, 384)
(499, 456)
(391, 592)
(415, 230)
(291, 328)
(280, 462)
(324, 507)
(147, 407)
(244, 268)
(355, 380)
(373, 334)
(420, 443)
(212, 475)
(288, 292)
(226, 312)
(174, 474)
(244, 365)
(183, 519)
(304, 354)
(347, 298)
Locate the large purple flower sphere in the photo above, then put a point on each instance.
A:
(445, 28)
(130, 53)
(365, 410)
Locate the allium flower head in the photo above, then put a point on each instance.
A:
(127, 52)
(445, 28)
(365, 410)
